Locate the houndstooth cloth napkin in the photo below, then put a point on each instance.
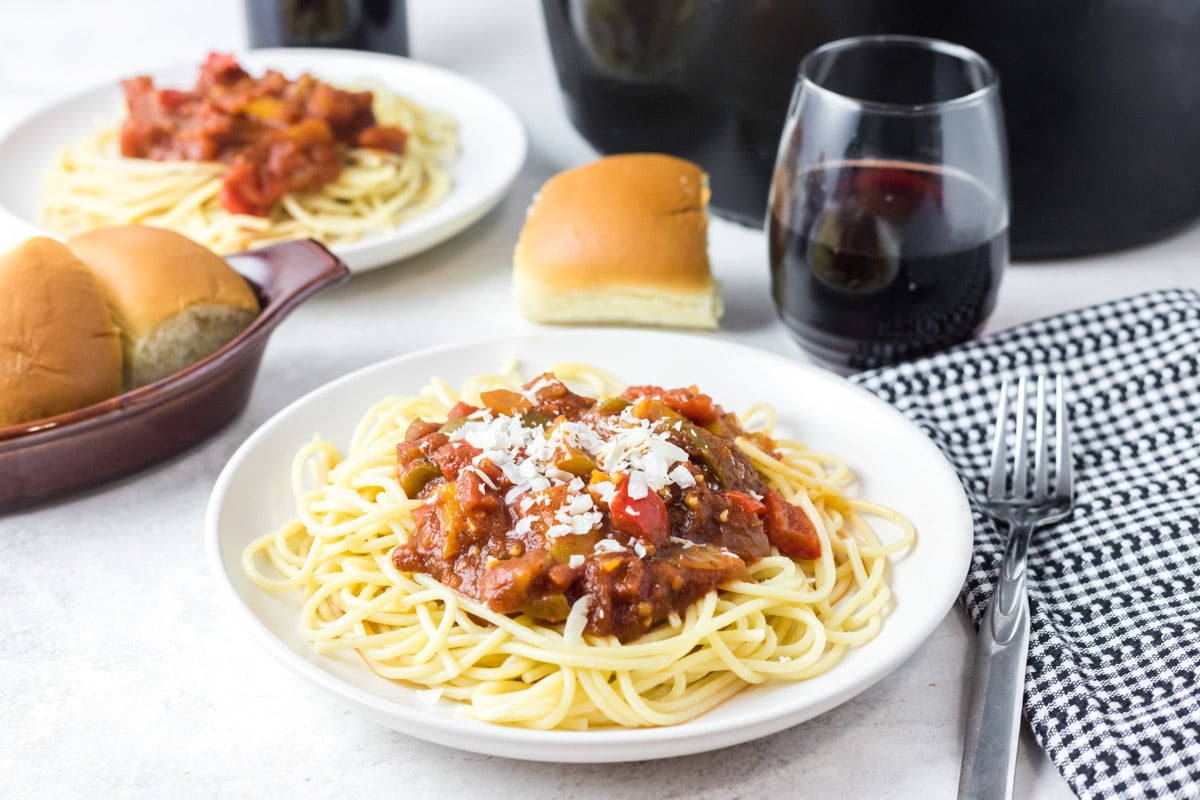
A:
(1112, 686)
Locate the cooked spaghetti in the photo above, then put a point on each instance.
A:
(239, 162)
(572, 534)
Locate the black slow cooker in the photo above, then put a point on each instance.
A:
(1101, 97)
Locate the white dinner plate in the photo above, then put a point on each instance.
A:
(897, 465)
(492, 142)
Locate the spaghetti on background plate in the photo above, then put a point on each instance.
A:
(570, 553)
(239, 162)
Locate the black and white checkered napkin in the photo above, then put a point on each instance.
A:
(1113, 678)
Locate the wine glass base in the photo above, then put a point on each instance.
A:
(847, 356)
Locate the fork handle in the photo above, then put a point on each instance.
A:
(997, 689)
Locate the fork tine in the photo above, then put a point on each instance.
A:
(999, 456)
(1062, 445)
(1020, 486)
(1041, 468)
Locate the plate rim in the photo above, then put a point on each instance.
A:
(357, 255)
(595, 745)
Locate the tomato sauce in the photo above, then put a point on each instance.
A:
(642, 503)
(276, 135)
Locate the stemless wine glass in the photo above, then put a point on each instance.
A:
(888, 225)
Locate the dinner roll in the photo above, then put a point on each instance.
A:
(620, 240)
(174, 301)
(59, 349)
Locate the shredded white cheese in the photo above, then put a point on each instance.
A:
(638, 486)
(528, 457)
(606, 490)
(682, 477)
(560, 529)
(608, 546)
(576, 620)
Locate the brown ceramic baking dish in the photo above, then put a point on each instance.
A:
(50, 457)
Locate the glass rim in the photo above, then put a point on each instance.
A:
(991, 79)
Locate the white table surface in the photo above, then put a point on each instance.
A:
(123, 674)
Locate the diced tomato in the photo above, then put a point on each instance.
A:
(638, 392)
(453, 456)
(690, 401)
(475, 497)
(746, 502)
(408, 453)
(545, 386)
(221, 69)
(789, 528)
(460, 409)
(172, 98)
(506, 585)
(299, 158)
(246, 191)
(414, 468)
(419, 429)
(693, 404)
(383, 137)
(643, 518)
(277, 135)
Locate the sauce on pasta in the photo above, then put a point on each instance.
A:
(211, 163)
(640, 504)
(277, 135)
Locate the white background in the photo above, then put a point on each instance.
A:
(122, 673)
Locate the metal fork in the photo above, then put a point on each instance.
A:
(998, 683)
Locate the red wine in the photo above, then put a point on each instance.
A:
(874, 262)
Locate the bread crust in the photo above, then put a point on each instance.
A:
(155, 281)
(59, 348)
(151, 274)
(621, 227)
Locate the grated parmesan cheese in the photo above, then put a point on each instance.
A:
(527, 457)
(681, 477)
(576, 620)
(606, 490)
(638, 486)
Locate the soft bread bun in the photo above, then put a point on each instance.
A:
(623, 239)
(174, 300)
(59, 349)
